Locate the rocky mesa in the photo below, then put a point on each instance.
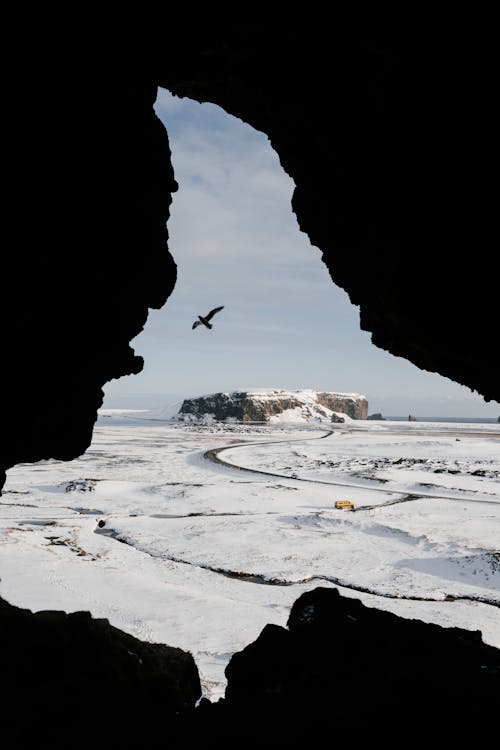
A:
(274, 405)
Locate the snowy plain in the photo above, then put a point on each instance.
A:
(200, 554)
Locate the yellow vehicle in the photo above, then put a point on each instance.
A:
(344, 505)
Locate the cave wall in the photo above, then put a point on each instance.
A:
(88, 190)
(389, 141)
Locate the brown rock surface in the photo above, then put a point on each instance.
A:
(261, 405)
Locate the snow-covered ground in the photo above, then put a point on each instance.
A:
(211, 553)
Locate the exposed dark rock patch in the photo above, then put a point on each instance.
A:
(81, 485)
(338, 419)
(376, 417)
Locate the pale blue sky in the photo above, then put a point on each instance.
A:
(236, 243)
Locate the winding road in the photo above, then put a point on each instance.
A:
(213, 455)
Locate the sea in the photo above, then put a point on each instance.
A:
(463, 420)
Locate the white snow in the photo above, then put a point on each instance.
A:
(426, 524)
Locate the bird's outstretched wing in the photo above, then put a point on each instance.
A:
(212, 312)
(196, 323)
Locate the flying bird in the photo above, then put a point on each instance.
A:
(204, 320)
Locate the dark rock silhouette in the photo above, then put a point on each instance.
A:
(204, 320)
(71, 672)
(95, 177)
(376, 417)
(335, 652)
(63, 669)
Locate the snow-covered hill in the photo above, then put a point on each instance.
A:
(274, 405)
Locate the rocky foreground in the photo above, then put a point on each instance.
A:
(83, 683)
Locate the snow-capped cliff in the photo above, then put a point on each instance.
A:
(273, 405)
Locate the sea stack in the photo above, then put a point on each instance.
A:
(274, 404)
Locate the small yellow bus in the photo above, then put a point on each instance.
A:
(344, 505)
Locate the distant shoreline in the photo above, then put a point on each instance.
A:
(147, 415)
(466, 420)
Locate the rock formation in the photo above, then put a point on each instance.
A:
(88, 191)
(262, 405)
(69, 670)
(338, 658)
(376, 417)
